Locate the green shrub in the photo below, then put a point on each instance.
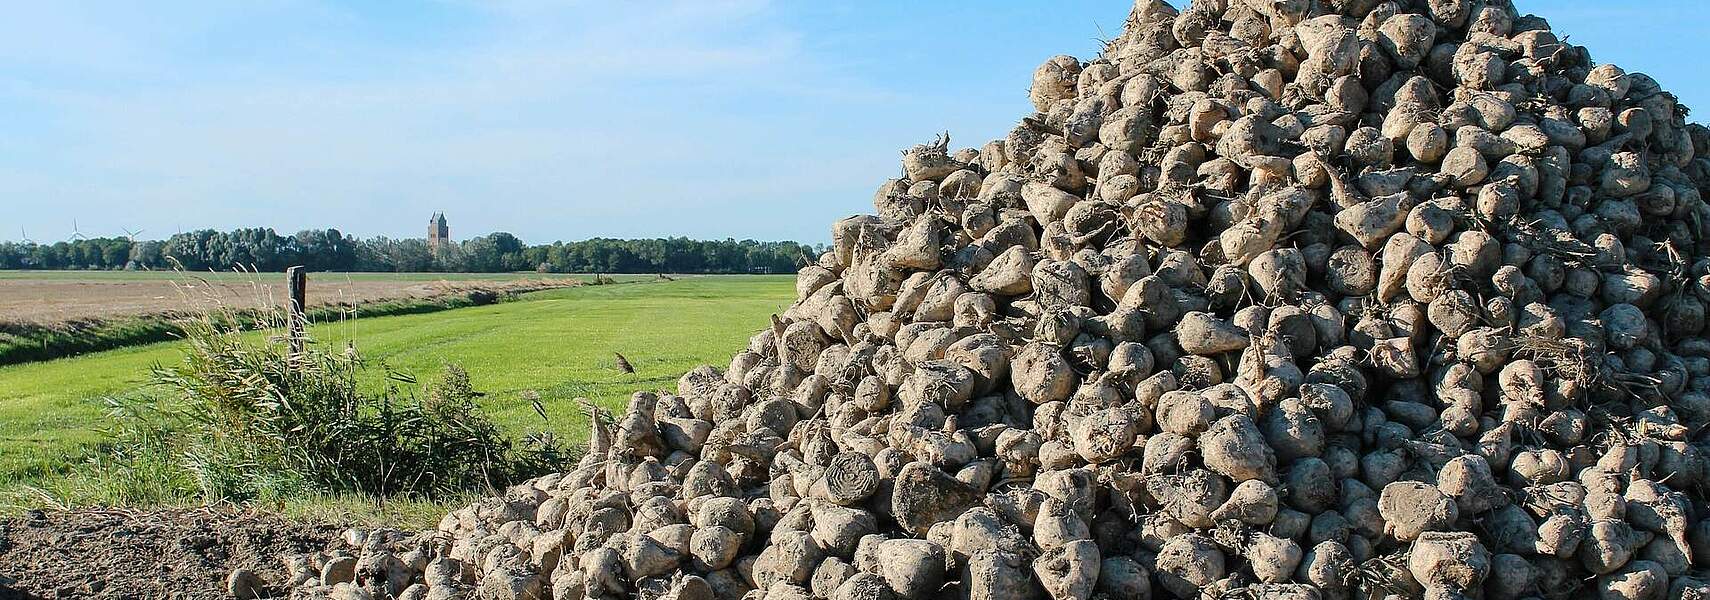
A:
(251, 420)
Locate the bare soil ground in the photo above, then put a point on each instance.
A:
(49, 300)
(145, 554)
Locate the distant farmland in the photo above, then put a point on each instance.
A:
(49, 297)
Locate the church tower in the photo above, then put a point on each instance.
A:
(438, 232)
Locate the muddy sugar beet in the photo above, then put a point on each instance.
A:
(1291, 299)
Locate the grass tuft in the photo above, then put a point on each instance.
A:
(274, 417)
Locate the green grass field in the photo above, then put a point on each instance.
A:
(558, 343)
(241, 277)
(46, 315)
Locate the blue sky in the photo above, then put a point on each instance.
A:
(552, 120)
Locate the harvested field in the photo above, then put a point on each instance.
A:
(46, 298)
(137, 554)
(1271, 300)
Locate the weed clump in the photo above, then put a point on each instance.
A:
(247, 418)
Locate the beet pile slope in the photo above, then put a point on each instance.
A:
(1274, 299)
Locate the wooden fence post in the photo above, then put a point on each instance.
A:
(297, 283)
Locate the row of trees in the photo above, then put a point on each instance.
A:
(329, 250)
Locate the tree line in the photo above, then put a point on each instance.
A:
(262, 249)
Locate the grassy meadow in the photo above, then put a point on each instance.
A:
(240, 277)
(558, 343)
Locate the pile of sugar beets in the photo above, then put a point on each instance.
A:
(1274, 300)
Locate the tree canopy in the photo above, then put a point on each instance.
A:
(263, 249)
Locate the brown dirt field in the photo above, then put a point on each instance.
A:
(145, 554)
(56, 300)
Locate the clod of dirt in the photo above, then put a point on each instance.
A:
(202, 553)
